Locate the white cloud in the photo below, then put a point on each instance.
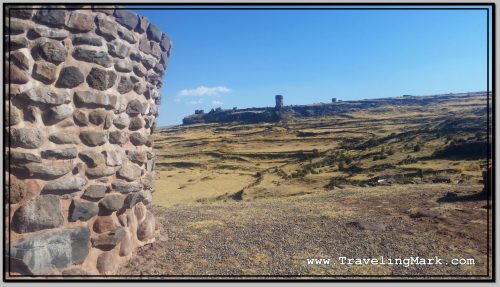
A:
(204, 91)
(217, 103)
(196, 102)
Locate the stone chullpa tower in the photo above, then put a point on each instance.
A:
(279, 102)
(82, 95)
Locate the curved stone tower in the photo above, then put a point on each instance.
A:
(82, 95)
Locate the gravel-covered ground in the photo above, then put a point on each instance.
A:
(276, 236)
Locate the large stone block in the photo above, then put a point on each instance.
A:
(42, 252)
(97, 99)
(42, 212)
(27, 137)
(50, 51)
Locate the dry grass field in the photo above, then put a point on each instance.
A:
(260, 199)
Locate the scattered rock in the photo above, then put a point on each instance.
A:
(69, 77)
(451, 194)
(365, 225)
(42, 212)
(432, 213)
(51, 249)
(65, 153)
(45, 72)
(92, 138)
(82, 210)
(27, 137)
(100, 79)
(112, 202)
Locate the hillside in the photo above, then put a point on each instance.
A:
(378, 177)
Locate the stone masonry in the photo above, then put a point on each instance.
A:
(82, 105)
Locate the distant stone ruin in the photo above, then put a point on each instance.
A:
(281, 112)
(83, 94)
(279, 102)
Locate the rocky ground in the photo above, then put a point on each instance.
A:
(274, 237)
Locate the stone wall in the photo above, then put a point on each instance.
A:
(82, 105)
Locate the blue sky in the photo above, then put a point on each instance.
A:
(242, 58)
